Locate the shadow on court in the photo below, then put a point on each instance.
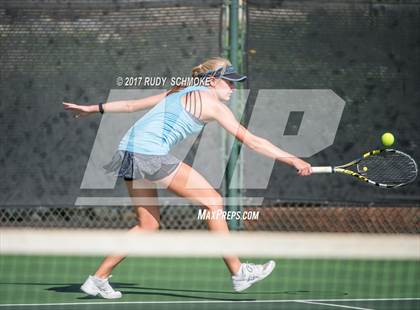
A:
(178, 293)
(134, 289)
(75, 288)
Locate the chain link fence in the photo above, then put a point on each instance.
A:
(368, 52)
(365, 51)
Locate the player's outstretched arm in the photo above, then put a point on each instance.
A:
(224, 116)
(125, 106)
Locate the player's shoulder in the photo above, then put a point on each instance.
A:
(211, 106)
(201, 94)
(197, 89)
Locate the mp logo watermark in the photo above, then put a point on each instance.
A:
(301, 122)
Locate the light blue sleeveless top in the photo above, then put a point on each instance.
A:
(165, 125)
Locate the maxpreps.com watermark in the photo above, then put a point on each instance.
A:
(204, 214)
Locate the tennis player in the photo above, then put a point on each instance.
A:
(145, 162)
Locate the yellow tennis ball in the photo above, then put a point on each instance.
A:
(365, 168)
(387, 139)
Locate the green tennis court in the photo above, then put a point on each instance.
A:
(37, 282)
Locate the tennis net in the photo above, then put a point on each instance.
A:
(183, 270)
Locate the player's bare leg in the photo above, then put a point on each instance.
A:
(148, 219)
(243, 275)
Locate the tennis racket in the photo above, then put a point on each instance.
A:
(384, 168)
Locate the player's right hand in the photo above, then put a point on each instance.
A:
(303, 168)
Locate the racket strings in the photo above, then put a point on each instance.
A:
(388, 168)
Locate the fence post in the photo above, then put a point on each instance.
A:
(234, 178)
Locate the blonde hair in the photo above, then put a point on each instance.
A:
(211, 64)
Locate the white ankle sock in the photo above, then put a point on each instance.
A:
(239, 271)
(96, 278)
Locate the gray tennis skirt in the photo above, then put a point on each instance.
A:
(141, 166)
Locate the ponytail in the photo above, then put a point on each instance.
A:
(210, 64)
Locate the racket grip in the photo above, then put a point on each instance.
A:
(325, 169)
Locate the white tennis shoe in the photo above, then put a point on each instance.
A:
(97, 286)
(249, 274)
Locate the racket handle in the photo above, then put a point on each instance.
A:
(325, 169)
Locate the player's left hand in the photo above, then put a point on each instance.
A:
(79, 110)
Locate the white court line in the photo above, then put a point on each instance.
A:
(207, 301)
(333, 305)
